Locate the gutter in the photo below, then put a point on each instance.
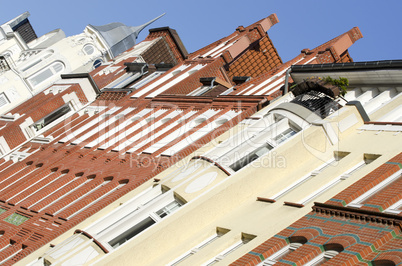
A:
(287, 80)
(353, 66)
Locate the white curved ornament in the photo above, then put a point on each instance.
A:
(201, 182)
(186, 172)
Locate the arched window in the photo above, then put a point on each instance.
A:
(43, 55)
(331, 250)
(97, 63)
(383, 263)
(88, 49)
(46, 73)
(294, 243)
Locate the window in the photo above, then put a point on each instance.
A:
(284, 135)
(395, 208)
(274, 258)
(360, 201)
(259, 144)
(88, 49)
(97, 63)
(338, 155)
(135, 216)
(3, 100)
(322, 258)
(331, 250)
(200, 91)
(46, 73)
(219, 232)
(147, 79)
(52, 117)
(368, 158)
(245, 238)
(44, 55)
(254, 155)
(135, 230)
(153, 218)
(124, 80)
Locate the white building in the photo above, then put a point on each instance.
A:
(27, 68)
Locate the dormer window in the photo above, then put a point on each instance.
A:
(52, 117)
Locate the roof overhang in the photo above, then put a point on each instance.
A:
(374, 73)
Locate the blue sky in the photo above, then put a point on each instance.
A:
(302, 24)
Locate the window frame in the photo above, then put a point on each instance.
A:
(40, 124)
(219, 233)
(274, 258)
(51, 68)
(4, 97)
(357, 203)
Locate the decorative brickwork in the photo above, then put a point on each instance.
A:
(367, 235)
(259, 59)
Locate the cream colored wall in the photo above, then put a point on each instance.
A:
(232, 203)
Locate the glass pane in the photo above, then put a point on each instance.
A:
(58, 67)
(89, 49)
(168, 209)
(3, 100)
(133, 231)
(284, 135)
(97, 63)
(252, 156)
(41, 77)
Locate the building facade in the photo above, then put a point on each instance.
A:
(28, 64)
(134, 114)
(214, 203)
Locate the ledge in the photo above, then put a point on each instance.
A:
(266, 200)
(359, 214)
(293, 204)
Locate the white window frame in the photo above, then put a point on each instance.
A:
(147, 79)
(4, 98)
(35, 125)
(393, 209)
(124, 80)
(244, 240)
(89, 45)
(219, 232)
(150, 211)
(265, 137)
(329, 254)
(300, 181)
(356, 203)
(332, 183)
(50, 68)
(271, 260)
(145, 205)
